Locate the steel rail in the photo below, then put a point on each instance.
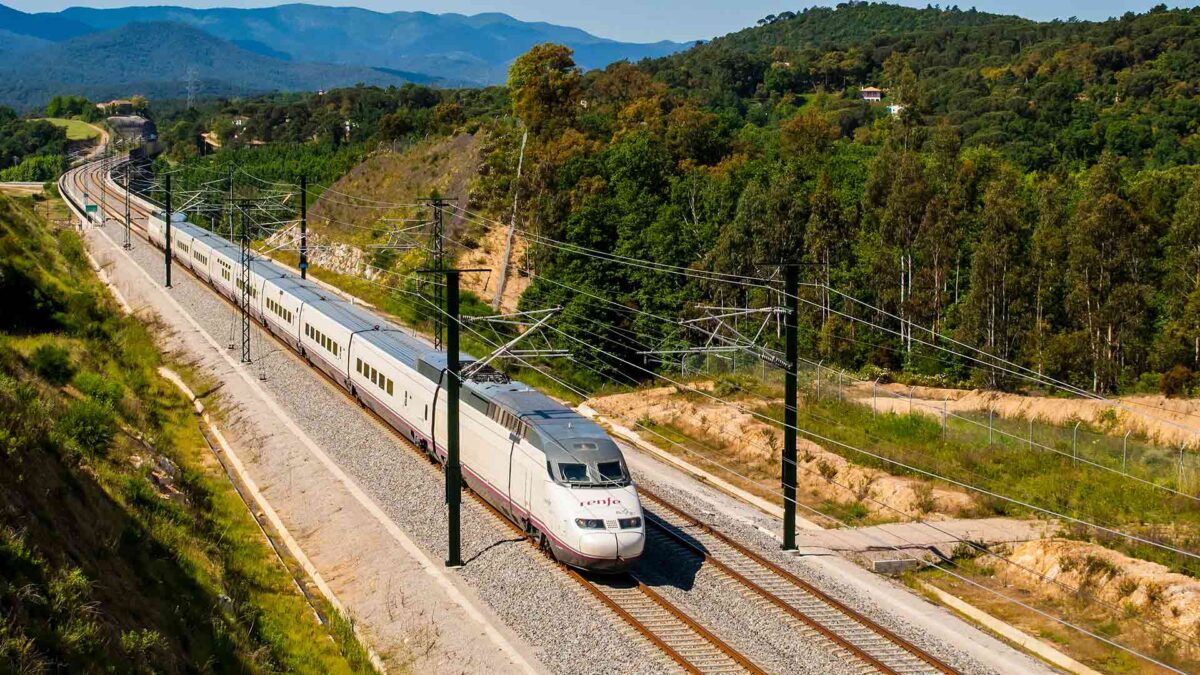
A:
(706, 637)
(795, 581)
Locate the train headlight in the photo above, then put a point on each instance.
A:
(590, 523)
(630, 523)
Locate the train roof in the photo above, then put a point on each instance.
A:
(561, 432)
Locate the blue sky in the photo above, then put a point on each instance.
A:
(640, 20)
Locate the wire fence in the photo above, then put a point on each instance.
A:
(1176, 467)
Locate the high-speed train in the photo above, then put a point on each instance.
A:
(552, 471)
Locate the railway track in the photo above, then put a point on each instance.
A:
(853, 634)
(654, 618)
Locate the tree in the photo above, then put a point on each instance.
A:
(1181, 283)
(807, 134)
(544, 85)
(996, 303)
(825, 234)
(1107, 294)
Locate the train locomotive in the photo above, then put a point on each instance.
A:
(555, 473)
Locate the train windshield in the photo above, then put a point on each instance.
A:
(601, 474)
(573, 473)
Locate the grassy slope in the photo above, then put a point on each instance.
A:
(77, 130)
(122, 545)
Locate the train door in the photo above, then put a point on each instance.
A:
(512, 455)
(518, 481)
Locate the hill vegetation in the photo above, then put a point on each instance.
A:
(123, 548)
(1032, 192)
(31, 150)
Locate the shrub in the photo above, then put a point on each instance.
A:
(53, 363)
(828, 471)
(1176, 381)
(99, 387)
(923, 498)
(91, 425)
(726, 386)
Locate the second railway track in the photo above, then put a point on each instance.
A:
(855, 635)
(663, 624)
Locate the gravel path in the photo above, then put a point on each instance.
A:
(571, 632)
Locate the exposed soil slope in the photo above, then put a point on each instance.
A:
(1163, 420)
(750, 442)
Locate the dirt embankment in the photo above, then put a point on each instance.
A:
(1162, 420)
(1141, 589)
(753, 447)
(366, 210)
(388, 190)
(490, 254)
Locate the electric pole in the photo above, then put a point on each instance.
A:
(453, 469)
(788, 473)
(167, 232)
(303, 226)
(437, 243)
(453, 380)
(128, 244)
(244, 284)
(512, 227)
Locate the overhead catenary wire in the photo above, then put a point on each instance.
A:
(989, 360)
(1069, 624)
(1003, 596)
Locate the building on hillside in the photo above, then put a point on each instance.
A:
(871, 94)
(894, 109)
(134, 128)
(117, 106)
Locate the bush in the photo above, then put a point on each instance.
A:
(91, 425)
(1176, 381)
(99, 388)
(53, 363)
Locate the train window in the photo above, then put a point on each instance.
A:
(611, 471)
(389, 387)
(572, 472)
(358, 366)
(586, 446)
(549, 470)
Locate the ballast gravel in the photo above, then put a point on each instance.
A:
(751, 536)
(569, 630)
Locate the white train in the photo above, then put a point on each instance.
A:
(552, 471)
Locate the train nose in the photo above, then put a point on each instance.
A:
(630, 544)
(623, 545)
(599, 544)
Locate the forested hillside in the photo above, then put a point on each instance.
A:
(1034, 197)
(123, 546)
(1031, 191)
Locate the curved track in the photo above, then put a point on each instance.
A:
(661, 623)
(680, 638)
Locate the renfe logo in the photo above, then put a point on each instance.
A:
(607, 501)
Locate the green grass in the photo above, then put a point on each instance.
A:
(77, 130)
(1041, 478)
(123, 546)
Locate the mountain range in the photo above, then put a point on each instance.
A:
(288, 47)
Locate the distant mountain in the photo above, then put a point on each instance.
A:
(153, 59)
(475, 49)
(44, 26)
